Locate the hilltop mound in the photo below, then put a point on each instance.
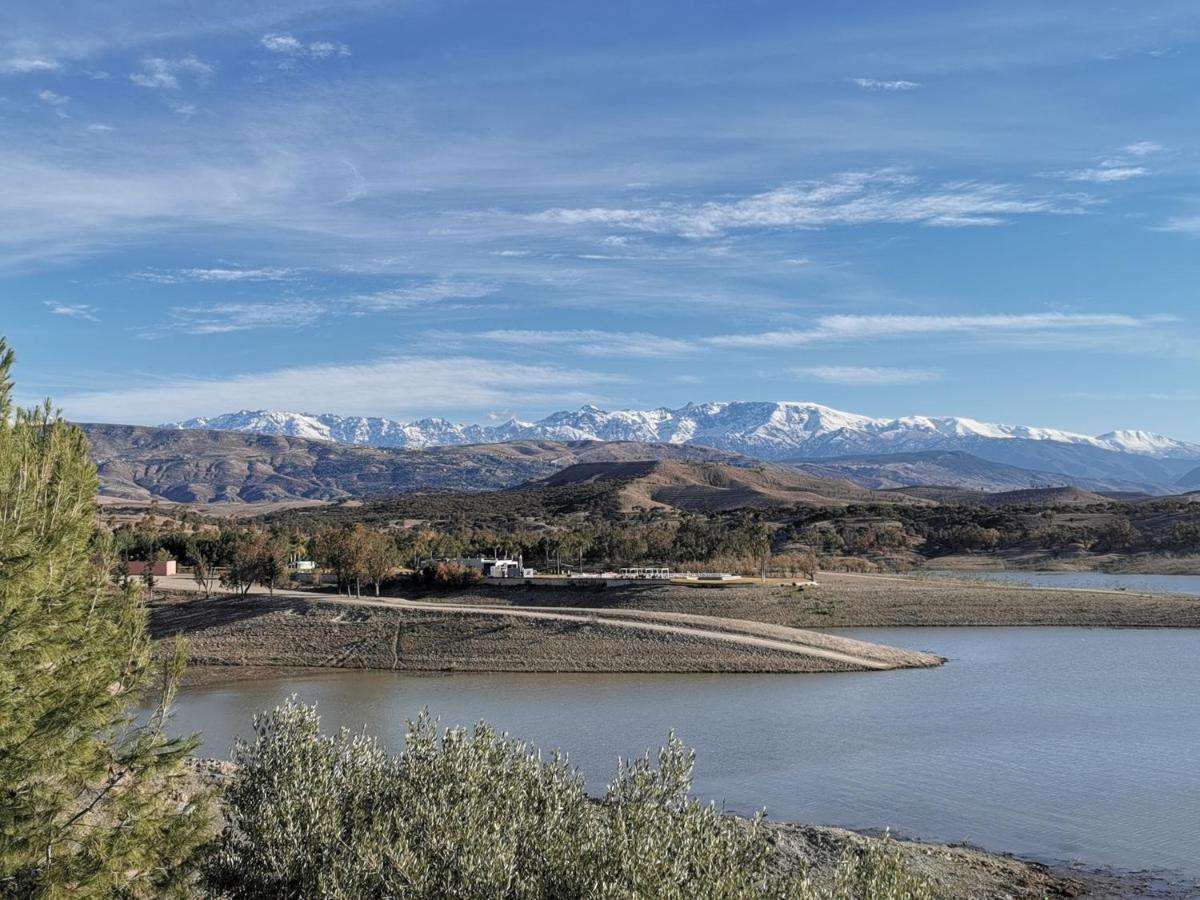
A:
(713, 487)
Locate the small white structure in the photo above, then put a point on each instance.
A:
(660, 573)
(304, 565)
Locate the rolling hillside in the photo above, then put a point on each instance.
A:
(713, 487)
(139, 464)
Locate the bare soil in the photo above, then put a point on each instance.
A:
(842, 600)
(325, 632)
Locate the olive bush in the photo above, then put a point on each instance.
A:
(473, 814)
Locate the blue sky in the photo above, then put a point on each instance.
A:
(484, 209)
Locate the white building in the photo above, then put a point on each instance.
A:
(492, 566)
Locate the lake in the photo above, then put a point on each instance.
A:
(1159, 584)
(1057, 743)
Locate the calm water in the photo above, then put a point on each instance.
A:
(1061, 743)
(1163, 584)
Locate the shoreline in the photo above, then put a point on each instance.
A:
(783, 628)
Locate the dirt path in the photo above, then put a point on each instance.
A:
(732, 631)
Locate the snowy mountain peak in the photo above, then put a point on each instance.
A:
(767, 430)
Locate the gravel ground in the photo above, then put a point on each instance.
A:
(846, 601)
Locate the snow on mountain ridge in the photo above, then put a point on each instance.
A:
(767, 430)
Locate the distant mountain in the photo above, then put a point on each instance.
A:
(769, 431)
(137, 463)
(954, 469)
(1189, 480)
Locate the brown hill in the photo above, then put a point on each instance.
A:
(713, 487)
(139, 464)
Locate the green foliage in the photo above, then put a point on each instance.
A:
(82, 808)
(474, 814)
(877, 871)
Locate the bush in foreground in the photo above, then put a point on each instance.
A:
(474, 814)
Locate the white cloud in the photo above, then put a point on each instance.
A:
(419, 295)
(591, 342)
(1143, 148)
(395, 387)
(851, 198)
(290, 45)
(182, 276)
(73, 310)
(52, 99)
(163, 73)
(222, 318)
(100, 128)
(28, 64)
(867, 375)
(846, 328)
(1182, 225)
(1104, 174)
(872, 84)
(282, 43)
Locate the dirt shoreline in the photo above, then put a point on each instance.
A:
(639, 628)
(422, 636)
(842, 600)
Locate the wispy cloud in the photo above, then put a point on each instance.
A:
(290, 45)
(1189, 225)
(52, 99)
(73, 310)
(851, 198)
(158, 72)
(395, 387)
(846, 328)
(867, 375)
(1143, 148)
(223, 318)
(1104, 174)
(873, 84)
(221, 274)
(419, 294)
(1127, 164)
(24, 65)
(592, 342)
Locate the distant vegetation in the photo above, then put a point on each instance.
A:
(583, 524)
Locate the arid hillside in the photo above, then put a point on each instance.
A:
(714, 487)
(139, 464)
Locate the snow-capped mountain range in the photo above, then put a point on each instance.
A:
(770, 431)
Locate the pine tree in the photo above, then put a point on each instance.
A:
(90, 804)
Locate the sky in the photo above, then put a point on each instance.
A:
(478, 210)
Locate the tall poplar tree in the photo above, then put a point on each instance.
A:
(91, 805)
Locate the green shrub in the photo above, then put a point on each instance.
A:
(475, 814)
